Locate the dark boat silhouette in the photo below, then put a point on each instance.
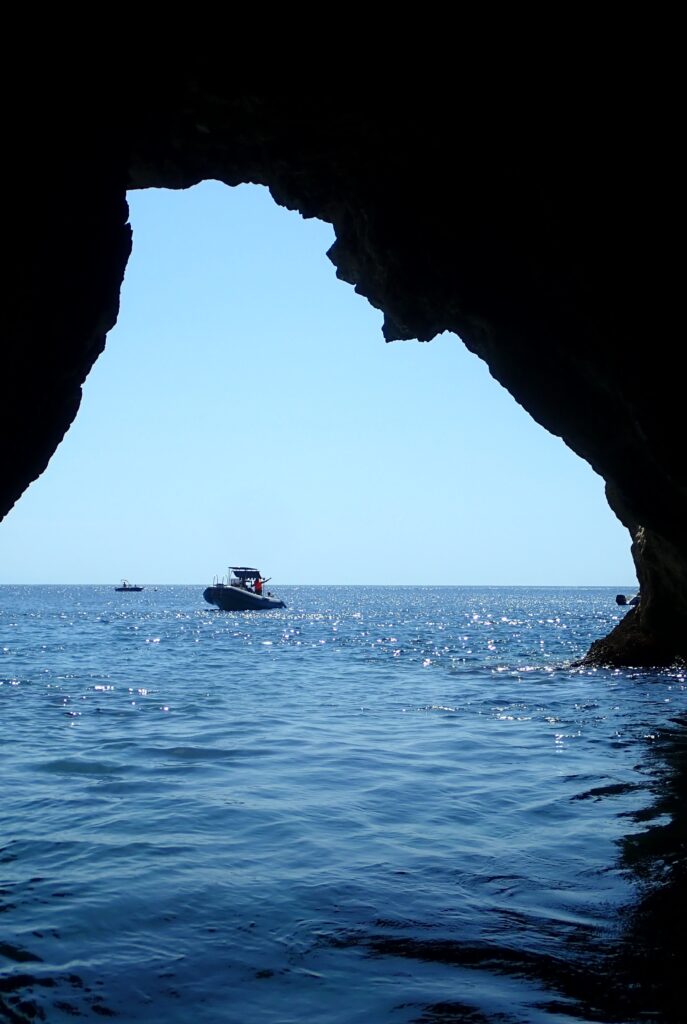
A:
(126, 587)
(241, 591)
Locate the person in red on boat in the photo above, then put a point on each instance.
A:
(258, 584)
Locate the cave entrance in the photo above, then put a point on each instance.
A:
(247, 409)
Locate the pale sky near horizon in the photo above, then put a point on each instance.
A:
(247, 411)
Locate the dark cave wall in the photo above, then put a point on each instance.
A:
(538, 243)
(68, 244)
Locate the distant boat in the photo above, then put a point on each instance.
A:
(126, 587)
(241, 592)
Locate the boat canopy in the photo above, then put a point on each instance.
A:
(242, 573)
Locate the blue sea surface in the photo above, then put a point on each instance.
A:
(377, 805)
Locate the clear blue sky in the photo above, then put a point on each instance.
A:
(247, 410)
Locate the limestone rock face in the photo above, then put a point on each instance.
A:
(541, 239)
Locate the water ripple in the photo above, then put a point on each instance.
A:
(388, 804)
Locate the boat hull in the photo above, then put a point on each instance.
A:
(236, 599)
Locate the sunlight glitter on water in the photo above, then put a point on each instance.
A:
(342, 811)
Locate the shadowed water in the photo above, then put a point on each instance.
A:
(374, 805)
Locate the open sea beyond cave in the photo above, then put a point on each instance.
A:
(379, 804)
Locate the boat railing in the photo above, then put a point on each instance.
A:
(229, 581)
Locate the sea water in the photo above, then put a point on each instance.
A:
(378, 804)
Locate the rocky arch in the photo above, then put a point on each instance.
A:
(539, 241)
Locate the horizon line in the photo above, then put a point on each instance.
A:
(499, 586)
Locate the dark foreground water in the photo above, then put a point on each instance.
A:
(376, 805)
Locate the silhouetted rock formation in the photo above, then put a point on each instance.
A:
(533, 225)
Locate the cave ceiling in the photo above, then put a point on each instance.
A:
(540, 234)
